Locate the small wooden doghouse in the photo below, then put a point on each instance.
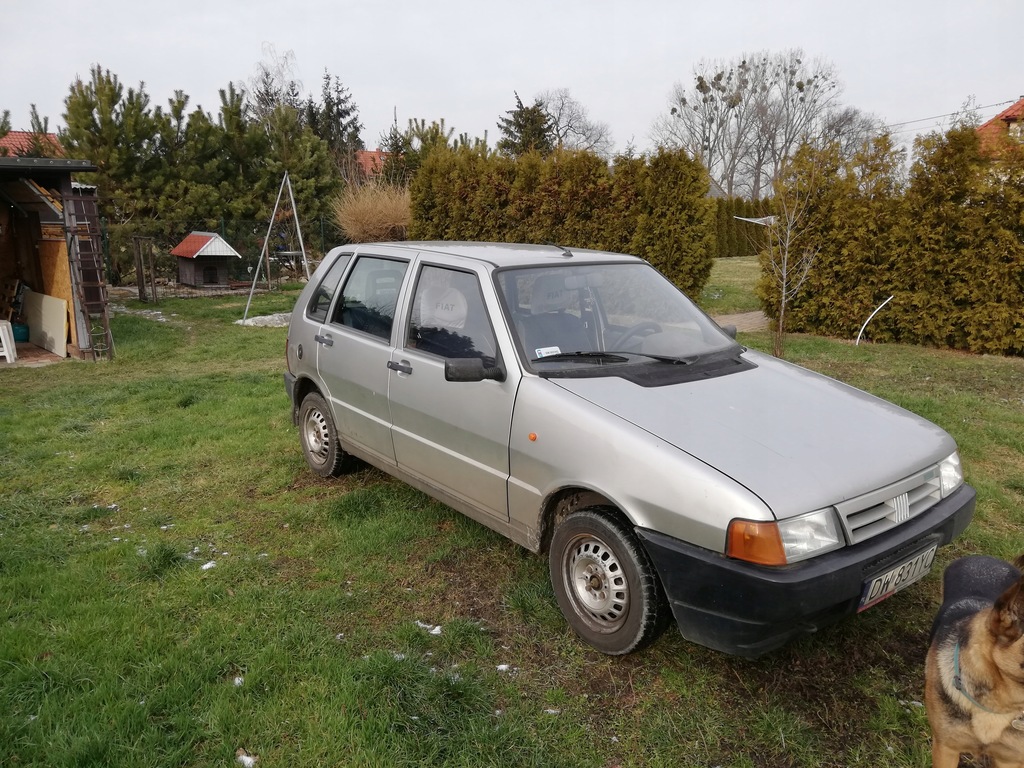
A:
(204, 260)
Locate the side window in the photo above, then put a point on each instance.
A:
(321, 301)
(448, 316)
(370, 296)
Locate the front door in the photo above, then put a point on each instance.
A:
(452, 435)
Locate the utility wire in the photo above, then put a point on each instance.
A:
(950, 114)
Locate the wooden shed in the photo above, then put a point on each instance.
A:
(204, 260)
(51, 261)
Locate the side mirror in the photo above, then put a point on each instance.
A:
(730, 331)
(471, 369)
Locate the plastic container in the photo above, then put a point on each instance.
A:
(20, 332)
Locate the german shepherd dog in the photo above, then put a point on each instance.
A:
(974, 674)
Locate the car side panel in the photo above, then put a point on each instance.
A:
(354, 368)
(453, 434)
(655, 485)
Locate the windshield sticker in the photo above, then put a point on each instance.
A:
(546, 351)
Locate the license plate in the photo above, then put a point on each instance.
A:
(892, 581)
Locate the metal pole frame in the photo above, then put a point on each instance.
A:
(266, 244)
(265, 253)
(298, 227)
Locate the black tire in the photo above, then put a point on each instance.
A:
(319, 437)
(605, 583)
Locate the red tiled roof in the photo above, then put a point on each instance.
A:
(991, 132)
(370, 161)
(205, 244)
(19, 143)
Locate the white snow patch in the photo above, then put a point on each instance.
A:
(280, 320)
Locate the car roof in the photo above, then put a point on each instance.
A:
(506, 254)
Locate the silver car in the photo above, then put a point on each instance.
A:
(581, 405)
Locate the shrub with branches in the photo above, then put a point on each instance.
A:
(373, 212)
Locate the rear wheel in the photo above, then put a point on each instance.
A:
(605, 583)
(319, 437)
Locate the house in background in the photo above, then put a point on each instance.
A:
(204, 260)
(370, 162)
(30, 144)
(51, 258)
(1007, 125)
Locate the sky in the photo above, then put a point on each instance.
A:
(908, 62)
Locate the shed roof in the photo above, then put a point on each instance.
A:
(203, 244)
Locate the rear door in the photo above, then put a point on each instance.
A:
(453, 435)
(354, 349)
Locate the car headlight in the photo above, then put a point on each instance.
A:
(784, 541)
(951, 474)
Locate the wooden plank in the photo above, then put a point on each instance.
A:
(47, 319)
(56, 270)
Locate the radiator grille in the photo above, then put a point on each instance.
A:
(874, 513)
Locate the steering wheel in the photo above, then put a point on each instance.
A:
(647, 326)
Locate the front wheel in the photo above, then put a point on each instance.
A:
(605, 583)
(319, 437)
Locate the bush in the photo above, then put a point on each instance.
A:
(656, 208)
(949, 246)
(373, 213)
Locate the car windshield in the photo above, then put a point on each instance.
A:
(577, 315)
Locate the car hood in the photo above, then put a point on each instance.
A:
(798, 440)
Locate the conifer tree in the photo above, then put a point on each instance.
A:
(526, 129)
(115, 130)
(335, 119)
(675, 229)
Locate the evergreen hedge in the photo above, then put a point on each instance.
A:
(735, 237)
(655, 207)
(948, 245)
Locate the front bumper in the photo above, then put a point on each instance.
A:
(748, 610)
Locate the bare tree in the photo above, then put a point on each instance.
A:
(969, 114)
(715, 120)
(789, 255)
(744, 118)
(572, 126)
(850, 129)
(274, 84)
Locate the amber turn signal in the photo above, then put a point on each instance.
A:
(755, 542)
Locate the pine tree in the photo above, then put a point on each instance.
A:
(335, 119)
(116, 131)
(526, 129)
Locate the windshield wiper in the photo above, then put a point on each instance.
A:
(597, 357)
(663, 358)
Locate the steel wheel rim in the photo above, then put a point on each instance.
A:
(317, 436)
(595, 583)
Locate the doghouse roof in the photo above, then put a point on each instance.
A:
(203, 244)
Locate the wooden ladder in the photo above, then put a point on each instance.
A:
(85, 251)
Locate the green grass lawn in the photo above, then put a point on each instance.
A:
(175, 585)
(730, 288)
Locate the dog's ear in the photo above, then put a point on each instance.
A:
(1007, 622)
(1019, 562)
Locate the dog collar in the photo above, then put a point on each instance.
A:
(958, 683)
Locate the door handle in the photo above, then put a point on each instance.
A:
(400, 367)
(327, 341)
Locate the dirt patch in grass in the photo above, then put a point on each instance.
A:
(296, 570)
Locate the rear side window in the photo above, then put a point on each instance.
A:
(321, 301)
(370, 296)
